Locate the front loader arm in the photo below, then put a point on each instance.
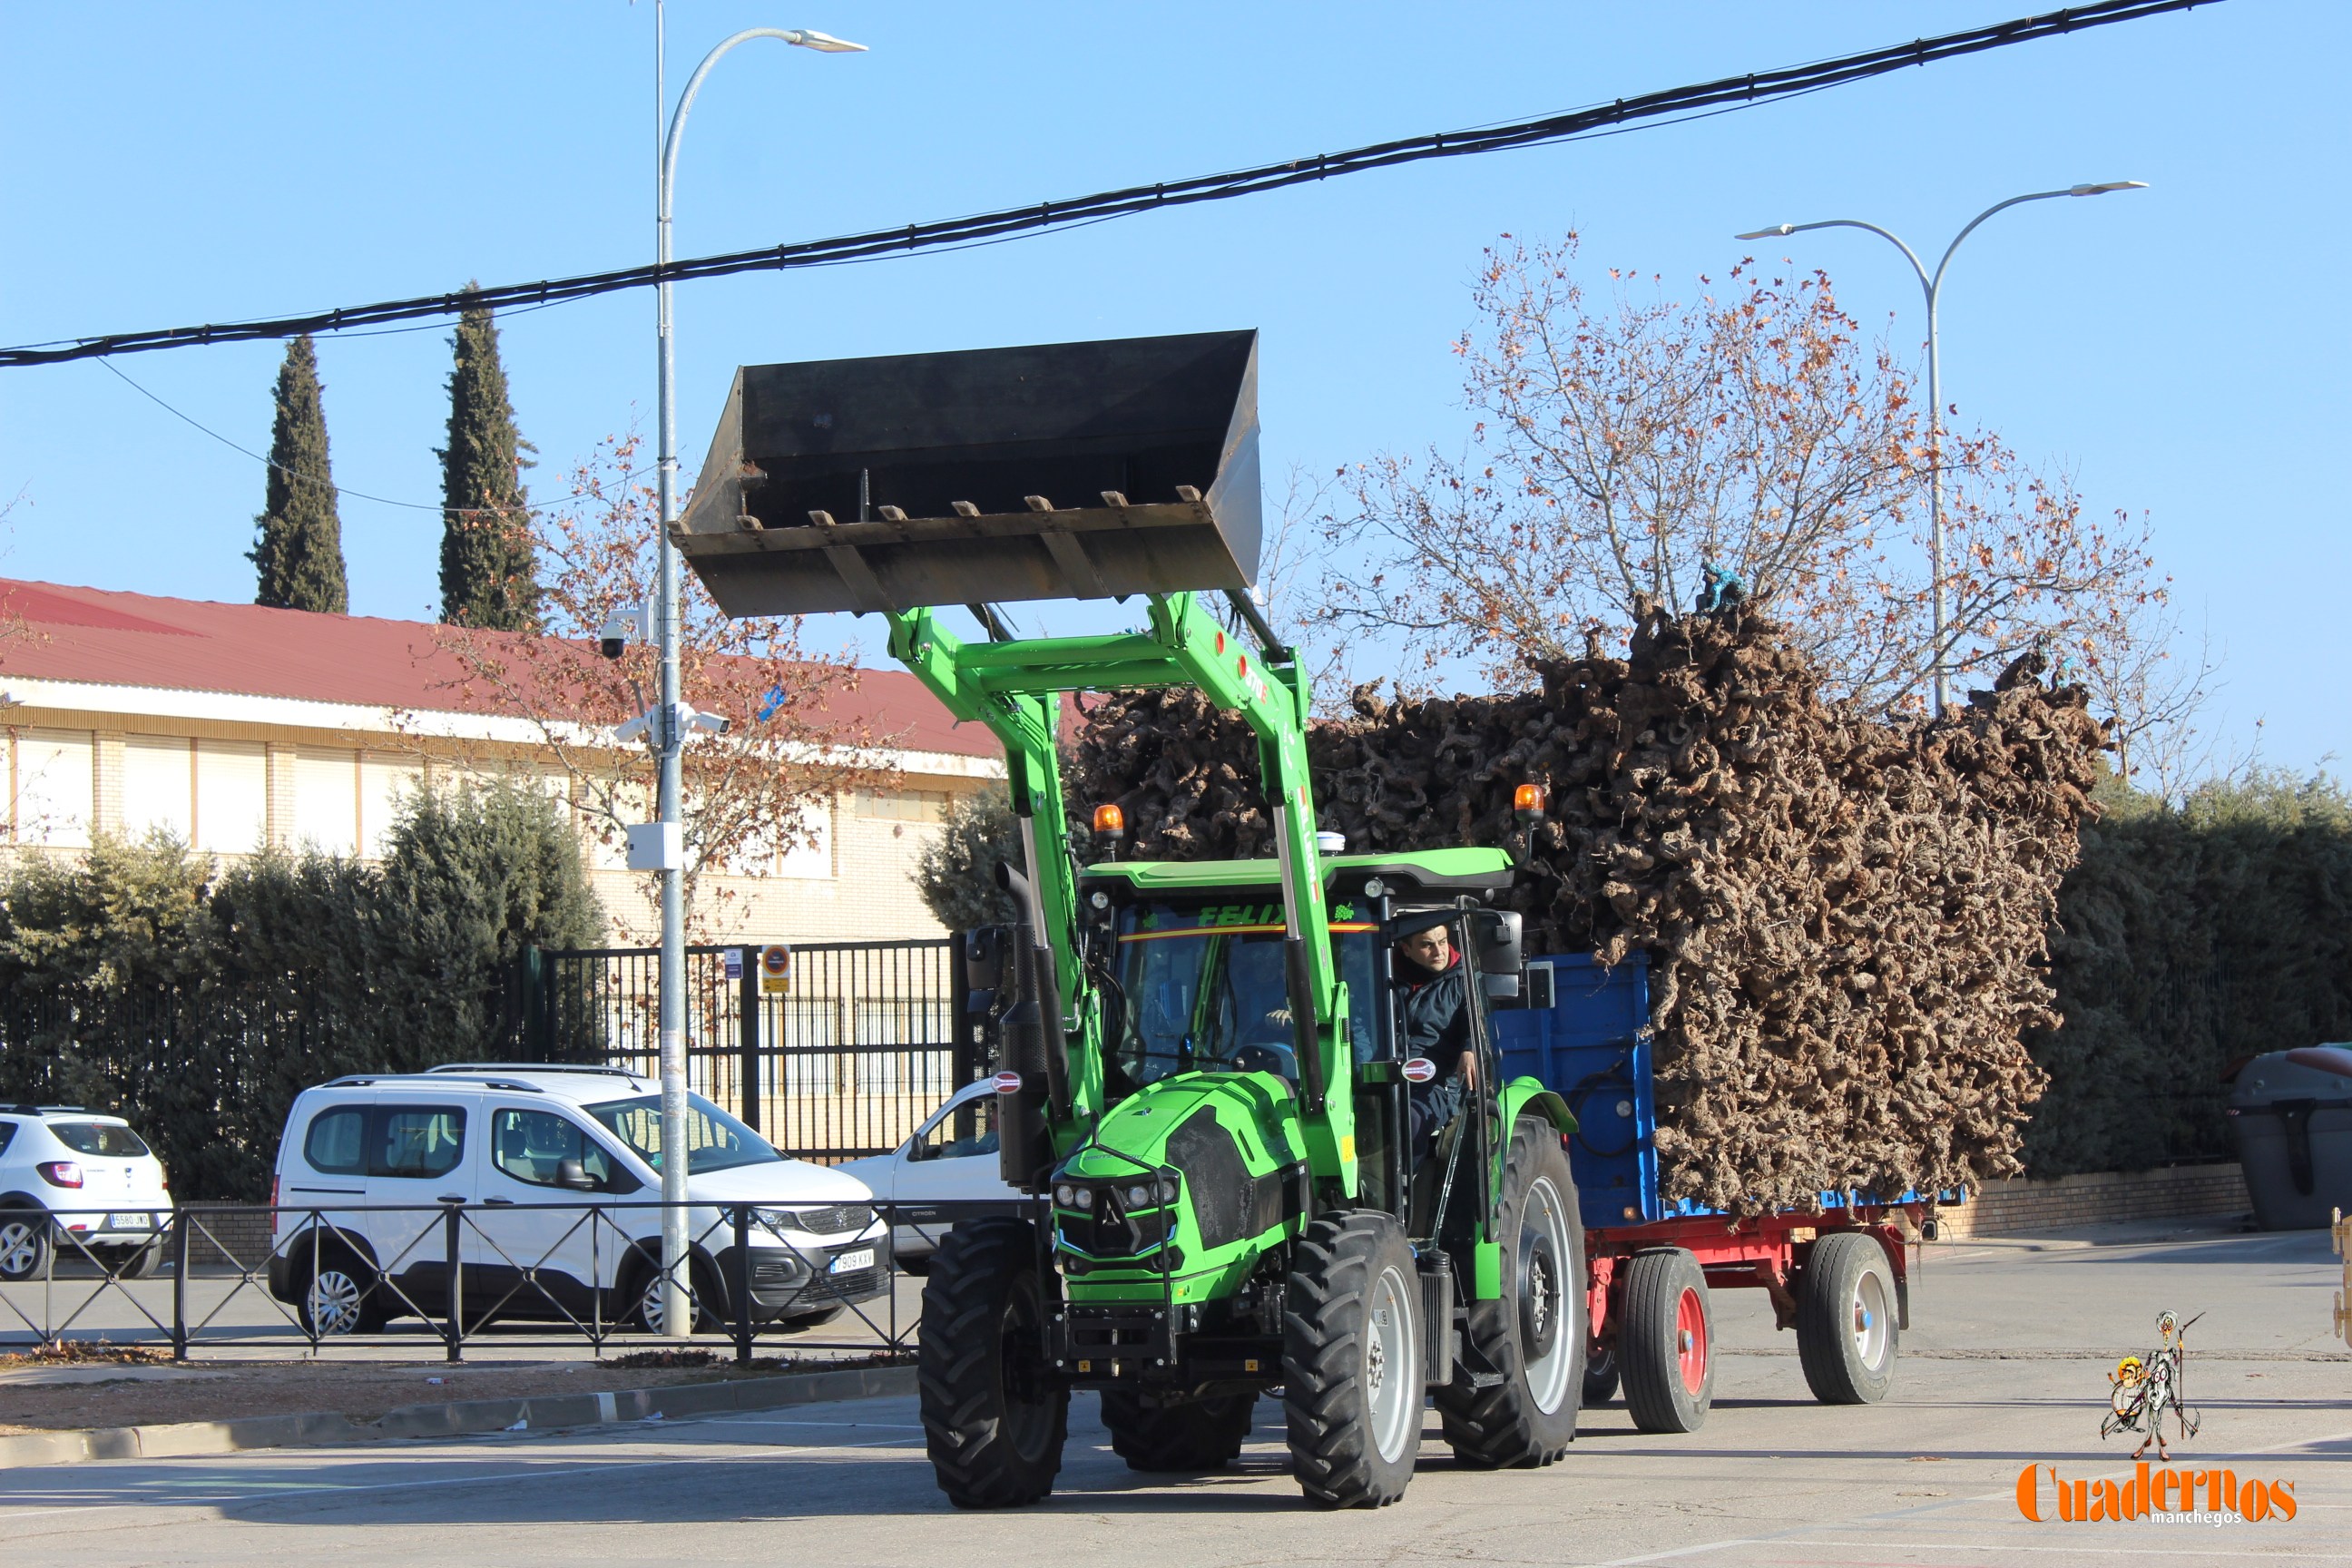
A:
(1014, 688)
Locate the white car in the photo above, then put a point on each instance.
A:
(952, 1156)
(71, 1176)
(547, 1160)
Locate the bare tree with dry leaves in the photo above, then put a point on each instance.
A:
(751, 795)
(1627, 443)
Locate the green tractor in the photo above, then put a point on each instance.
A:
(1249, 1176)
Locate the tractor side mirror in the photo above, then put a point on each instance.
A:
(1499, 936)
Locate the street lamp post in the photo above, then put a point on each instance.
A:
(1933, 287)
(670, 715)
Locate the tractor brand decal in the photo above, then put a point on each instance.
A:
(2164, 1495)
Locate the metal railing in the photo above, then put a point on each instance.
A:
(339, 1274)
(847, 1063)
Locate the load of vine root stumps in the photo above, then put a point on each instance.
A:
(1844, 918)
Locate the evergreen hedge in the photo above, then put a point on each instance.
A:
(2191, 938)
(142, 979)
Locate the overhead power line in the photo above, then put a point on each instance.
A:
(1729, 92)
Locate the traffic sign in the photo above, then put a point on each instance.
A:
(776, 969)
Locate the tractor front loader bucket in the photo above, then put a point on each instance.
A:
(1058, 471)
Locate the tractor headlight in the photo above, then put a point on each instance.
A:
(1167, 1189)
(1065, 1194)
(1138, 1196)
(1086, 1198)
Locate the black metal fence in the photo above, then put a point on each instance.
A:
(845, 1062)
(438, 1278)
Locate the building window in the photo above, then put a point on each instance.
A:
(903, 805)
(159, 786)
(327, 800)
(232, 796)
(386, 783)
(53, 788)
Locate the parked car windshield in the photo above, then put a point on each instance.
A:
(1204, 989)
(714, 1140)
(100, 1138)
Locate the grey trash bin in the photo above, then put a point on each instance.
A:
(2292, 1114)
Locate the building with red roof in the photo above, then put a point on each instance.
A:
(235, 726)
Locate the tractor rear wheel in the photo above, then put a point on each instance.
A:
(1187, 1435)
(1535, 1336)
(1668, 1341)
(1353, 1382)
(994, 1420)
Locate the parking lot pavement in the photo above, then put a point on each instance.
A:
(1928, 1477)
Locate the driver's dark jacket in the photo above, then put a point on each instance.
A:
(1435, 1019)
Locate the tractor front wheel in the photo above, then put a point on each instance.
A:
(1534, 1336)
(1184, 1437)
(994, 1420)
(1352, 1381)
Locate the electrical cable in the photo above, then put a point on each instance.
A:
(1729, 92)
(340, 490)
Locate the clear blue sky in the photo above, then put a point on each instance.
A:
(2176, 348)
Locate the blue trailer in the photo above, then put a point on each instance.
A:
(1837, 1274)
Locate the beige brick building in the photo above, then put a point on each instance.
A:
(233, 726)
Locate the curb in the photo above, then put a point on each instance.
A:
(458, 1419)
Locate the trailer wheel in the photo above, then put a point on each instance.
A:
(1351, 1374)
(1187, 1435)
(1847, 1337)
(1668, 1341)
(993, 1421)
(1534, 1335)
(1599, 1374)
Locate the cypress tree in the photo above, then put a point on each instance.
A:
(299, 543)
(489, 573)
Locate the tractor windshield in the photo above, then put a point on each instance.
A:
(1202, 988)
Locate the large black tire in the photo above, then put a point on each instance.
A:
(1847, 1335)
(25, 1244)
(994, 1420)
(1535, 1336)
(1599, 1374)
(1353, 1387)
(1184, 1438)
(1667, 1341)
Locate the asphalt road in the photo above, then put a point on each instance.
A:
(2005, 1367)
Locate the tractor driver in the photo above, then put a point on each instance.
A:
(1435, 1013)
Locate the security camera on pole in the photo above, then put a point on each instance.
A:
(667, 722)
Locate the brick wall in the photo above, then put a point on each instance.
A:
(2024, 1204)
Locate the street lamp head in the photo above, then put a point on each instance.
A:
(2102, 189)
(825, 42)
(1778, 231)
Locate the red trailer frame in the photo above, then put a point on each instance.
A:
(1768, 1252)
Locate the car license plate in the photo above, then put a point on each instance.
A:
(131, 1222)
(842, 1262)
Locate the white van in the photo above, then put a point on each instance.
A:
(367, 1164)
